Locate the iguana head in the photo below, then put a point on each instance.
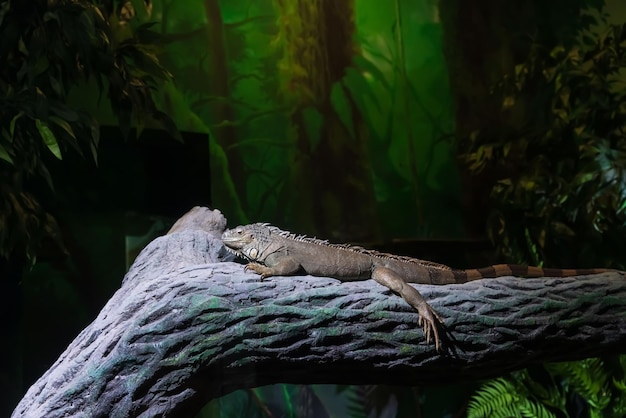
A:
(247, 241)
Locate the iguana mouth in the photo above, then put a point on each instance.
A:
(230, 250)
(231, 241)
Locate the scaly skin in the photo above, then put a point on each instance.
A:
(273, 252)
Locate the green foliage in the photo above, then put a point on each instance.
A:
(403, 401)
(360, 400)
(48, 48)
(280, 400)
(560, 165)
(400, 94)
(599, 384)
(508, 397)
(588, 378)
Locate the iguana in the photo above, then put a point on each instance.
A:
(274, 252)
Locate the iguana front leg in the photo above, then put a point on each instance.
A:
(428, 317)
(284, 267)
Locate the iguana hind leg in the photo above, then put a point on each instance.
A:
(429, 319)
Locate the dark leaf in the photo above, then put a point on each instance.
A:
(145, 35)
(342, 107)
(65, 113)
(95, 139)
(368, 66)
(168, 124)
(45, 174)
(13, 122)
(48, 138)
(57, 86)
(4, 155)
(360, 89)
(562, 229)
(5, 6)
(63, 125)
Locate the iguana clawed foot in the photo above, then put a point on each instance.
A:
(264, 271)
(430, 320)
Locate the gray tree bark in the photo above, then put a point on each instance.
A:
(186, 327)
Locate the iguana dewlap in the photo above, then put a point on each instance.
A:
(274, 252)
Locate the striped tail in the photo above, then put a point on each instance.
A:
(500, 270)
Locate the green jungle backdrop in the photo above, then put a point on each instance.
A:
(315, 109)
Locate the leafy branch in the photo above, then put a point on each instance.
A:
(560, 177)
(47, 49)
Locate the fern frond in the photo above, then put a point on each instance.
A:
(620, 385)
(494, 399)
(587, 377)
(618, 407)
(531, 409)
(549, 395)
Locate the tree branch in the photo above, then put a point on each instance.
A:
(186, 327)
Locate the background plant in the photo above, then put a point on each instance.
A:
(592, 387)
(47, 48)
(559, 190)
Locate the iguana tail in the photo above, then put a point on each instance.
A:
(500, 270)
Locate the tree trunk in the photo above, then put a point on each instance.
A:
(218, 82)
(185, 328)
(331, 192)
